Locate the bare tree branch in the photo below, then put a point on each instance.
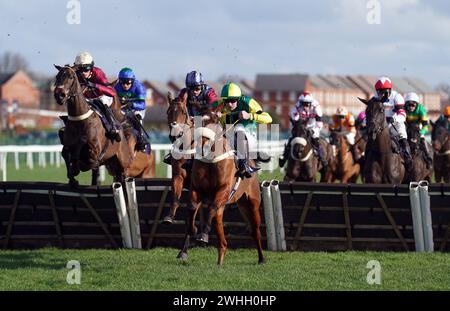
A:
(11, 62)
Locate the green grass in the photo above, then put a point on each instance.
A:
(157, 269)
(51, 173)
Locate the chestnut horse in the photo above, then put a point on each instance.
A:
(383, 165)
(346, 168)
(302, 164)
(180, 125)
(441, 146)
(214, 182)
(419, 170)
(143, 164)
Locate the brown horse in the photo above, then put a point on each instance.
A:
(143, 165)
(85, 145)
(383, 165)
(213, 182)
(441, 146)
(360, 148)
(346, 168)
(180, 125)
(302, 164)
(419, 171)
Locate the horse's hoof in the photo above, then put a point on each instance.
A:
(261, 261)
(168, 220)
(183, 256)
(203, 237)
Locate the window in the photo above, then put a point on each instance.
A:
(265, 96)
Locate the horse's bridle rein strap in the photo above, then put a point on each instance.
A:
(82, 117)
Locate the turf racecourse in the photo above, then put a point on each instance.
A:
(158, 269)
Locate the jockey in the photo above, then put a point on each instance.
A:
(197, 91)
(444, 118)
(99, 93)
(394, 110)
(309, 111)
(417, 114)
(245, 113)
(132, 95)
(361, 122)
(345, 122)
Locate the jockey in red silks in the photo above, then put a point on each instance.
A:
(394, 110)
(98, 93)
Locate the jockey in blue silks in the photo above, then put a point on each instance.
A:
(132, 96)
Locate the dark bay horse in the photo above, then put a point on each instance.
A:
(85, 145)
(419, 170)
(180, 125)
(302, 164)
(213, 180)
(346, 168)
(441, 146)
(383, 165)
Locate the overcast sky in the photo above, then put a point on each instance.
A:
(166, 39)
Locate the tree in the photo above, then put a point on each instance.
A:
(11, 62)
(444, 87)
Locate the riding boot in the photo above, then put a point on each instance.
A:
(285, 156)
(112, 130)
(406, 151)
(242, 147)
(424, 146)
(141, 142)
(245, 170)
(318, 149)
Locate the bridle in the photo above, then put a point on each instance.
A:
(72, 95)
(175, 124)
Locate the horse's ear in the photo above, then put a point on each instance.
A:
(57, 67)
(185, 97)
(364, 101)
(169, 97)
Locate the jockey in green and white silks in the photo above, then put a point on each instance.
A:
(244, 113)
(417, 114)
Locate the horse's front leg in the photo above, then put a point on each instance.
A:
(69, 167)
(222, 242)
(219, 200)
(191, 229)
(95, 181)
(177, 187)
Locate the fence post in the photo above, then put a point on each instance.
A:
(427, 224)
(133, 213)
(3, 164)
(102, 173)
(119, 200)
(278, 215)
(416, 214)
(269, 216)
